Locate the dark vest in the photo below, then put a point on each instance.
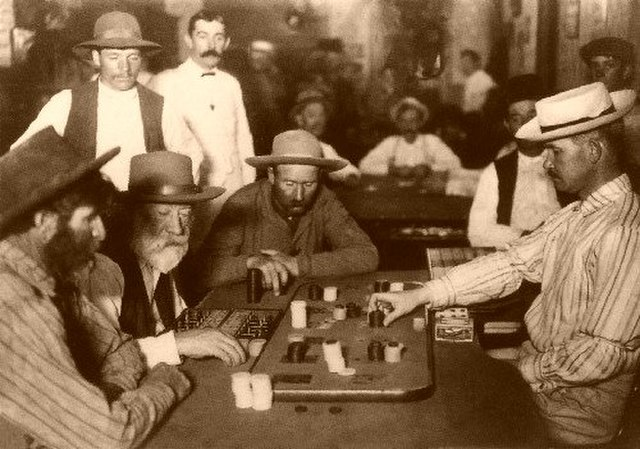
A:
(82, 123)
(507, 171)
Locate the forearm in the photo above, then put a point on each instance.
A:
(223, 269)
(492, 234)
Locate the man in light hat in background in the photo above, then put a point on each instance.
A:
(114, 110)
(140, 293)
(514, 194)
(265, 95)
(409, 151)
(584, 327)
(210, 101)
(310, 113)
(289, 225)
(67, 378)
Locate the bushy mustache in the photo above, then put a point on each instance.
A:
(211, 52)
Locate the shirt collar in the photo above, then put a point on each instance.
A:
(105, 91)
(196, 70)
(605, 195)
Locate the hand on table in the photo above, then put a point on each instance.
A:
(400, 303)
(171, 376)
(209, 342)
(275, 267)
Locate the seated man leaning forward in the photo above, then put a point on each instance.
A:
(287, 225)
(584, 326)
(159, 199)
(68, 378)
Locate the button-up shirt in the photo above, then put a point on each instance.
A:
(119, 125)
(534, 199)
(585, 324)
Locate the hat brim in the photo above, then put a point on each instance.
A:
(329, 165)
(395, 109)
(623, 101)
(208, 193)
(83, 48)
(56, 184)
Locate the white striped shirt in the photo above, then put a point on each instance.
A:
(585, 324)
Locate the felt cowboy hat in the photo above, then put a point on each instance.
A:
(409, 102)
(166, 177)
(524, 87)
(38, 169)
(576, 111)
(608, 46)
(116, 29)
(296, 147)
(306, 97)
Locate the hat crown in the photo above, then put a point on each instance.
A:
(117, 24)
(160, 169)
(298, 143)
(582, 103)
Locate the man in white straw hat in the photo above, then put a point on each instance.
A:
(289, 225)
(410, 151)
(115, 110)
(140, 293)
(584, 327)
(68, 378)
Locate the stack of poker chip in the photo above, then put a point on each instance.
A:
(262, 391)
(241, 387)
(298, 314)
(332, 350)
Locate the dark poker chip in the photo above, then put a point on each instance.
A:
(300, 408)
(335, 410)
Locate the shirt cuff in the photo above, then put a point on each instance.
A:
(441, 293)
(160, 349)
(304, 265)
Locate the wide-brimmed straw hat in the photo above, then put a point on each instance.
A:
(116, 29)
(38, 169)
(296, 147)
(166, 177)
(409, 102)
(576, 111)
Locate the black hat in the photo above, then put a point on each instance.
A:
(609, 46)
(524, 87)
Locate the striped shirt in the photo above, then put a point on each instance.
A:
(585, 324)
(41, 389)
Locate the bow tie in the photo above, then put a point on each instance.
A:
(209, 74)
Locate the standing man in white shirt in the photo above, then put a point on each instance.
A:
(210, 102)
(114, 110)
(514, 194)
(477, 82)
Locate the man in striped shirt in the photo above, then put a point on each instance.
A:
(68, 378)
(584, 327)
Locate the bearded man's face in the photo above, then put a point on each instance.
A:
(161, 234)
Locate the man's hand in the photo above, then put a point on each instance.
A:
(208, 342)
(274, 273)
(399, 303)
(288, 261)
(171, 376)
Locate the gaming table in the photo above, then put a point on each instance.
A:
(452, 393)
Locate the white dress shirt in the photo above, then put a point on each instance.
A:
(212, 107)
(534, 200)
(427, 149)
(476, 87)
(119, 124)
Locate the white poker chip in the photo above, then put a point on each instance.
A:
(295, 337)
(347, 372)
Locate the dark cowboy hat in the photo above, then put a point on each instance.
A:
(166, 177)
(524, 87)
(576, 111)
(296, 147)
(38, 169)
(116, 29)
(608, 46)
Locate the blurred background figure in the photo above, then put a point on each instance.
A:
(477, 82)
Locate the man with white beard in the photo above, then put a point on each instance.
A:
(141, 295)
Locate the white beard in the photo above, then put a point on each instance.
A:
(163, 253)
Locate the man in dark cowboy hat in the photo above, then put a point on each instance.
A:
(287, 225)
(584, 326)
(161, 193)
(67, 378)
(115, 110)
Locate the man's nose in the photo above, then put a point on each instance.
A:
(299, 193)
(98, 231)
(548, 163)
(124, 65)
(175, 224)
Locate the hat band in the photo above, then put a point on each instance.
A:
(167, 190)
(118, 33)
(544, 129)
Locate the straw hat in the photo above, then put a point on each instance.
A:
(166, 177)
(576, 111)
(296, 147)
(409, 102)
(116, 29)
(38, 169)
